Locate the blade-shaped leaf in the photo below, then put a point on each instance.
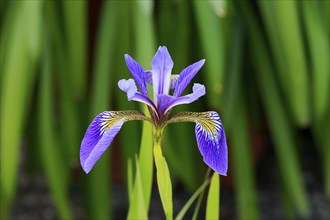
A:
(137, 210)
(130, 180)
(185, 208)
(164, 181)
(18, 73)
(213, 198)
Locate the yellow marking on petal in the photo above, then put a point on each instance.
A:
(110, 118)
(209, 121)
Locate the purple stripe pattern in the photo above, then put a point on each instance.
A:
(209, 130)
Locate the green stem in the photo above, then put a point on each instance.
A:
(163, 176)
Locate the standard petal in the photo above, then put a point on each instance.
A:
(101, 133)
(166, 102)
(137, 73)
(186, 76)
(173, 83)
(211, 138)
(162, 65)
(130, 88)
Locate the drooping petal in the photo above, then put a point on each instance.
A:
(137, 73)
(186, 76)
(101, 133)
(210, 136)
(162, 65)
(166, 102)
(130, 88)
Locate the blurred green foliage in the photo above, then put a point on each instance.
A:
(267, 64)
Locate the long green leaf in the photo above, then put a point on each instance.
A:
(56, 172)
(242, 161)
(279, 125)
(130, 180)
(213, 198)
(137, 210)
(18, 76)
(318, 42)
(75, 24)
(282, 25)
(163, 181)
(185, 208)
(212, 39)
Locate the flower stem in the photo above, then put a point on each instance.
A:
(163, 176)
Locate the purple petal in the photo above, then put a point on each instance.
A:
(129, 87)
(212, 143)
(166, 102)
(137, 73)
(148, 76)
(186, 76)
(173, 83)
(162, 65)
(97, 139)
(101, 133)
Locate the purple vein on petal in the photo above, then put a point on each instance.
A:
(186, 76)
(137, 73)
(162, 65)
(97, 139)
(166, 102)
(130, 88)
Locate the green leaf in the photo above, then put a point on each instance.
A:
(213, 198)
(164, 181)
(56, 172)
(200, 198)
(137, 210)
(18, 73)
(279, 123)
(283, 29)
(213, 42)
(318, 44)
(242, 161)
(75, 24)
(129, 180)
(192, 199)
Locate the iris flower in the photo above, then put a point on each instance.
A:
(209, 131)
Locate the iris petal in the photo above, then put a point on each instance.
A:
(137, 73)
(186, 76)
(101, 133)
(173, 82)
(166, 102)
(130, 88)
(162, 65)
(210, 136)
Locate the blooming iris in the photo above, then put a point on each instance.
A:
(209, 130)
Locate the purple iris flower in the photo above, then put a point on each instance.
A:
(209, 131)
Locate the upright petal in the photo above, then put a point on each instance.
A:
(211, 138)
(162, 65)
(129, 87)
(101, 133)
(173, 82)
(186, 76)
(137, 73)
(166, 102)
